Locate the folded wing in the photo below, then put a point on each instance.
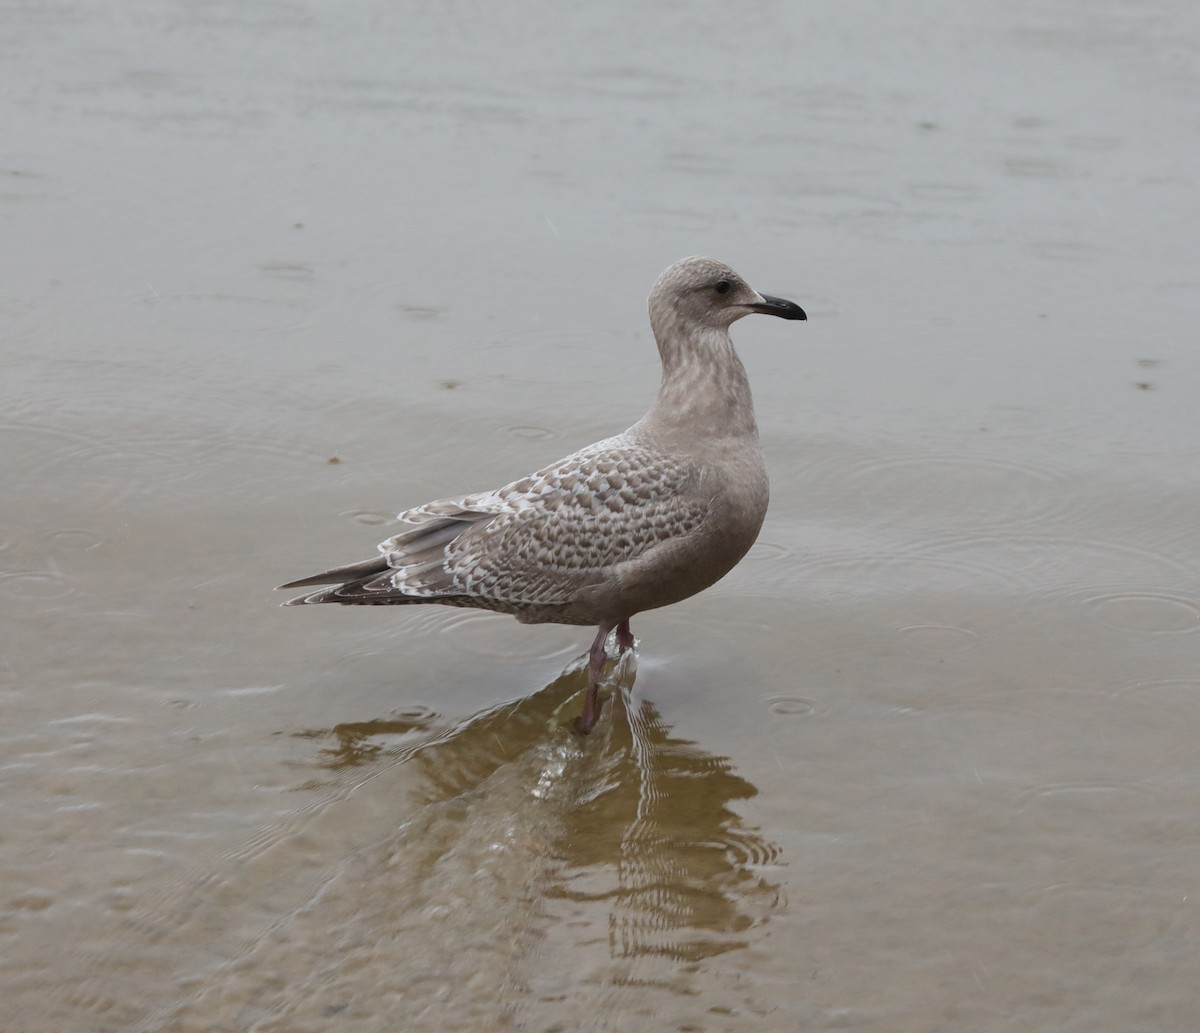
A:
(535, 542)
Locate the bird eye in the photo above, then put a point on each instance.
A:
(722, 286)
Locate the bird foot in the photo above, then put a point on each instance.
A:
(586, 721)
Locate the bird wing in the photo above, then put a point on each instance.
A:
(540, 540)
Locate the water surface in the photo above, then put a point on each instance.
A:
(925, 761)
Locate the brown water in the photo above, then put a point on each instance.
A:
(925, 762)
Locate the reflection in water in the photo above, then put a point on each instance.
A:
(359, 742)
(645, 824)
(654, 836)
(501, 866)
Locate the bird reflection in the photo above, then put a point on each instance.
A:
(639, 825)
(682, 873)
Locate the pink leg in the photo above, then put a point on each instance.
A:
(624, 637)
(591, 702)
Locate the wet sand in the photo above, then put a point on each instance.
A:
(925, 761)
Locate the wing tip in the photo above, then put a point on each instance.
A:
(304, 582)
(341, 575)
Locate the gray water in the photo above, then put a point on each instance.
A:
(925, 761)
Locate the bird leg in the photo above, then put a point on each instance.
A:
(596, 657)
(624, 637)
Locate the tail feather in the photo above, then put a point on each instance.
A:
(414, 553)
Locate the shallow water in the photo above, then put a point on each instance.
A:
(925, 761)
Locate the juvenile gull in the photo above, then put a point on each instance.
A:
(633, 522)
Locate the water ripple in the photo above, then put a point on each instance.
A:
(939, 638)
(531, 432)
(1085, 788)
(369, 517)
(974, 489)
(792, 706)
(42, 584)
(75, 538)
(1034, 562)
(1187, 691)
(763, 551)
(1141, 610)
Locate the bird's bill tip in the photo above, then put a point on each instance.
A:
(780, 307)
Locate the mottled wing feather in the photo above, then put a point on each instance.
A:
(540, 540)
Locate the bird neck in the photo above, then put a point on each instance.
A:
(704, 386)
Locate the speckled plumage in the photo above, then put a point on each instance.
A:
(630, 523)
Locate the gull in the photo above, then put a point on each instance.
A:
(634, 522)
